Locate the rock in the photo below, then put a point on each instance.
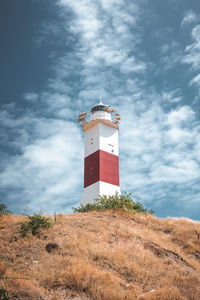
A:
(13, 239)
(50, 247)
(168, 231)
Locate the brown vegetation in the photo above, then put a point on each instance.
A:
(102, 255)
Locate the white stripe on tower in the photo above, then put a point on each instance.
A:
(101, 159)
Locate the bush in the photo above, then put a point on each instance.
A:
(3, 210)
(35, 223)
(115, 202)
(4, 295)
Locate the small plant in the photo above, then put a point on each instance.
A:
(4, 210)
(4, 295)
(35, 223)
(115, 202)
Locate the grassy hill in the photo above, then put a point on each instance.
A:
(102, 255)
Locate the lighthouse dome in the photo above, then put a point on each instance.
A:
(98, 112)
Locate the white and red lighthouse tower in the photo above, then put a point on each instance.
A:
(101, 159)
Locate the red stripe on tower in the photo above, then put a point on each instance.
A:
(109, 168)
(91, 169)
(101, 166)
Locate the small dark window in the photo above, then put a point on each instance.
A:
(111, 147)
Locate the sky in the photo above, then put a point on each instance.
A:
(58, 57)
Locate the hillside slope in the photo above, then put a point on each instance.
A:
(102, 255)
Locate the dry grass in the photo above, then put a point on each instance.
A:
(102, 255)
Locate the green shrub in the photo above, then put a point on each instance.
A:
(4, 294)
(34, 224)
(115, 202)
(3, 210)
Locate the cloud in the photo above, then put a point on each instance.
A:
(172, 96)
(192, 51)
(189, 17)
(182, 115)
(170, 55)
(196, 33)
(103, 28)
(192, 58)
(159, 151)
(32, 97)
(46, 172)
(195, 80)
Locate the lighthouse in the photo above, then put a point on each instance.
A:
(101, 153)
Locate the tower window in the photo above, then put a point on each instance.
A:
(111, 147)
(91, 141)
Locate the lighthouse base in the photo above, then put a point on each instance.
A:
(99, 188)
